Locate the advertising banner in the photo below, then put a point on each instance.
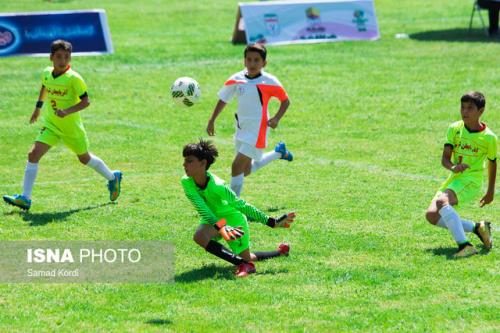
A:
(286, 22)
(32, 33)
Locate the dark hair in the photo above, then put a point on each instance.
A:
(60, 45)
(474, 97)
(203, 150)
(259, 48)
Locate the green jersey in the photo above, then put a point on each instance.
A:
(63, 91)
(217, 201)
(472, 148)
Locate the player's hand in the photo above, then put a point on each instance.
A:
(35, 115)
(488, 198)
(211, 128)
(227, 232)
(61, 113)
(460, 167)
(273, 122)
(284, 221)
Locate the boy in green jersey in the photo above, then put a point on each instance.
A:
(222, 213)
(469, 143)
(67, 95)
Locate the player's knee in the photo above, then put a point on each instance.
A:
(431, 217)
(34, 156)
(441, 202)
(200, 239)
(84, 159)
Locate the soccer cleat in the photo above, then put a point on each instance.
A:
(483, 231)
(284, 249)
(244, 269)
(465, 250)
(114, 186)
(18, 200)
(285, 154)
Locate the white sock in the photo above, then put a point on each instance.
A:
(454, 223)
(467, 225)
(441, 223)
(237, 183)
(29, 178)
(98, 165)
(266, 159)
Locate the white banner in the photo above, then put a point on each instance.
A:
(285, 22)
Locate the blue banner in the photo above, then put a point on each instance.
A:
(32, 33)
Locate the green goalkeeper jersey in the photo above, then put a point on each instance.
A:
(217, 201)
(471, 148)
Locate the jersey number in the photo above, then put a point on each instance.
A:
(53, 104)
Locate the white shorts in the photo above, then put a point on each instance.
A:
(248, 150)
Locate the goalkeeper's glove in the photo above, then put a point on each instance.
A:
(283, 221)
(227, 232)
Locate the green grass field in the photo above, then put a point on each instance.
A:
(366, 124)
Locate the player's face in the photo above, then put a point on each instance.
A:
(254, 63)
(60, 59)
(470, 113)
(193, 166)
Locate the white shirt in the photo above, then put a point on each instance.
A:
(253, 97)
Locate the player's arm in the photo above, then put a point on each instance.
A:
(446, 160)
(39, 104)
(227, 232)
(492, 175)
(273, 122)
(211, 122)
(84, 102)
(253, 213)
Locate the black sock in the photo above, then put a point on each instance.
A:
(217, 249)
(267, 255)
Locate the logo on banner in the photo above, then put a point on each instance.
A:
(359, 19)
(314, 20)
(9, 38)
(272, 24)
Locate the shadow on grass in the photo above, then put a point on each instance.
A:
(40, 219)
(206, 272)
(450, 251)
(455, 35)
(159, 322)
(217, 272)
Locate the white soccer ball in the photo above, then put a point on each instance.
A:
(185, 91)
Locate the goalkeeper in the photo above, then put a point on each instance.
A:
(223, 214)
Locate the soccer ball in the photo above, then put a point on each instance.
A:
(185, 91)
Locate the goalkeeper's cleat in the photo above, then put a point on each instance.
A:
(465, 250)
(18, 200)
(284, 249)
(245, 269)
(285, 154)
(114, 186)
(483, 231)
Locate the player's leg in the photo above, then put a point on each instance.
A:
(80, 146)
(23, 200)
(240, 164)
(455, 225)
(241, 246)
(114, 178)
(206, 235)
(282, 250)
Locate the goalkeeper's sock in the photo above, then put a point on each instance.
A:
(267, 255)
(217, 249)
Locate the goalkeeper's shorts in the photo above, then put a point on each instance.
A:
(241, 244)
